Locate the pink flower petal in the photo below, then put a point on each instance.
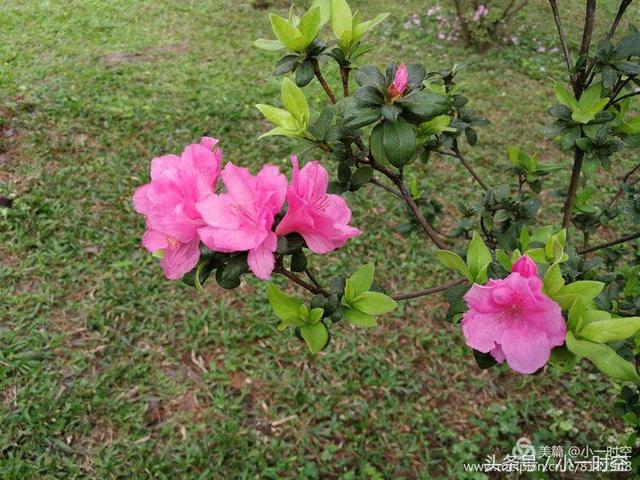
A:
(180, 259)
(261, 259)
(526, 348)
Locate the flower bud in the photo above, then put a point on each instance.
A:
(525, 267)
(400, 82)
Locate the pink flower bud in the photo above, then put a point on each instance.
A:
(525, 267)
(400, 82)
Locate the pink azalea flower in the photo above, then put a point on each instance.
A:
(400, 82)
(168, 204)
(513, 319)
(321, 218)
(242, 219)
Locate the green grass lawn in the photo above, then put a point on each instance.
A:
(107, 370)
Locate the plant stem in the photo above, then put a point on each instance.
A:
(468, 166)
(617, 241)
(562, 36)
(377, 182)
(323, 82)
(344, 73)
(573, 187)
(623, 6)
(279, 268)
(426, 226)
(312, 278)
(428, 291)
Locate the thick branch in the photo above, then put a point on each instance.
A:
(573, 187)
(323, 82)
(617, 241)
(428, 291)
(344, 74)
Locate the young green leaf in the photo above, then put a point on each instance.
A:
(362, 28)
(341, 18)
(553, 280)
(315, 335)
(360, 319)
(603, 357)
(278, 116)
(373, 303)
(285, 307)
(294, 101)
(310, 23)
(359, 282)
(611, 330)
(478, 256)
(268, 45)
(287, 34)
(587, 290)
(454, 262)
(565, 97)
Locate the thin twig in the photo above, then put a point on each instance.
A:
(294, 278)
(378, 183)
(623, 6)
(623, 181)
(323, 82)
(426, 226)
(313, 278)
(562, 36)
(468, 166)
(628, 95)
(617, 241)
(428, 291)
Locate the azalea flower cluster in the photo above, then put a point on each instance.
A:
(182, 208)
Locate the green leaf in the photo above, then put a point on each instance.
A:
(285, 307)
(565, 97)
(360, 319)
(294, 101)
(269, 45)
(373, 303)
(587, 290)
(478, 257)
(315, 315)
(341, 18)
(288, 35)
(279, 116)
(399, 141)
(553, 280)
(629, 46)
(279, 131)
(425, 105)
(316, 336)
(603, 357)
(325, 10)
(376, 144)
(563, 359)
(370, 75)
(359, 282)
(362, 28)
(611, 330)
(435, 126)
(361, 176)
(503, 259)
(304, 73)
(310, 23)
(453, 261)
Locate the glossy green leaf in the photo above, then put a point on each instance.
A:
(399, 141)
(453, 261)
(478, 256)
(315, 336)
(374, 303)
(610, 330)
(294, 101)
(604, 358)
(269, 45)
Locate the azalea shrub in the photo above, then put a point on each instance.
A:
(525, 294)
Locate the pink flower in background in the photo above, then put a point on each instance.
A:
(400, 82)
(482, 11)
(513, 319)
(321, 218)
(242, 219)
(168, 204)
